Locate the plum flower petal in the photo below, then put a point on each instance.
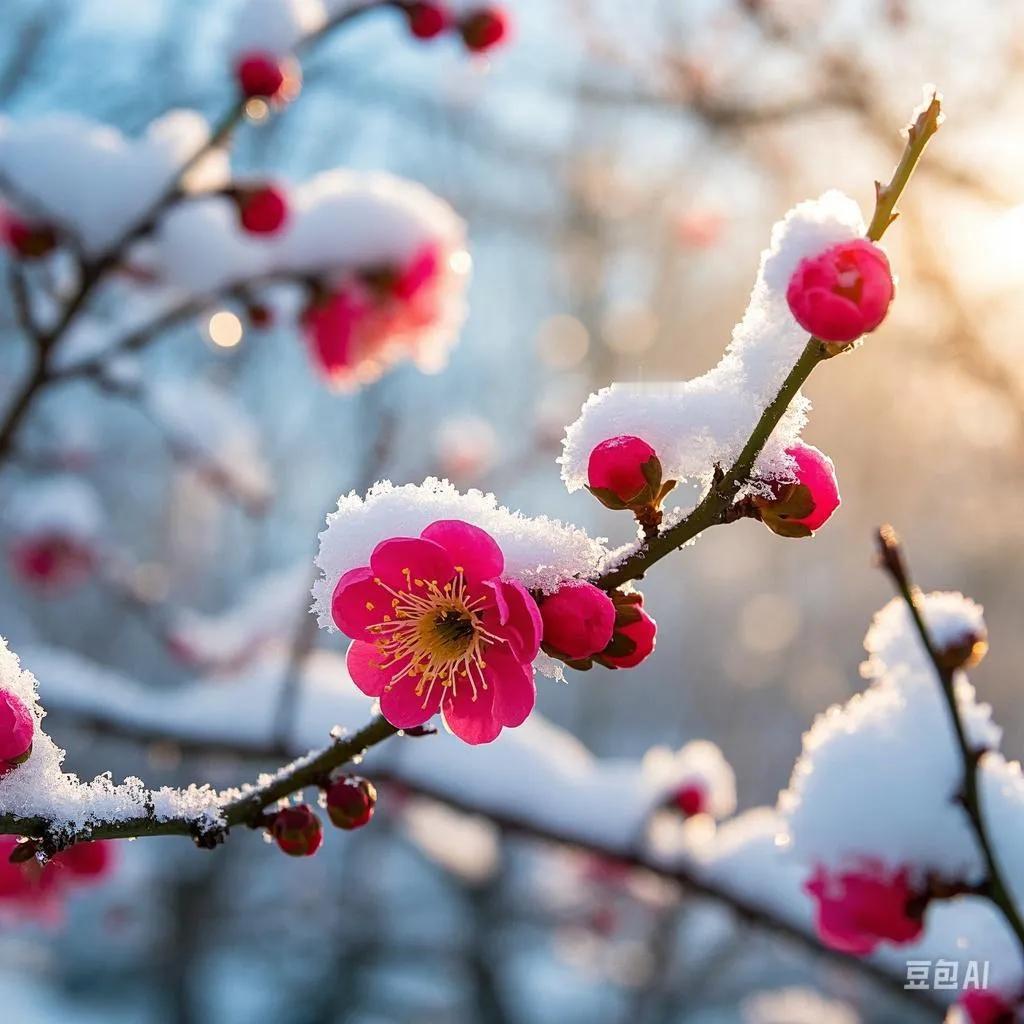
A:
(472, 548)
(401, 559)
(355, 604)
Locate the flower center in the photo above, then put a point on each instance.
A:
(434, 633)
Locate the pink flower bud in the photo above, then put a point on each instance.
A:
(981, 1006)
(297, 830)
(263, 210)
(88, 861)
(843, 293)
(261, 75)
(578, 620)
(426, 20)
(484, 29)
(27, 240)
(624, 472)
(857, 910)
(52, 563)
(351, 802)
(801, 508)
(690, 799)
(17, 728)
(635, 633)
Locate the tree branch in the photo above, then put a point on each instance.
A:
(893, 561)
(714, 507)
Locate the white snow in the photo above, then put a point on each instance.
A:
(538, 551)
(694, 425)
(63, 505)
(700, 762)
(796, 1006)
(274, 27)
(91, 178)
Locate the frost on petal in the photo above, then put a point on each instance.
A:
(697, 423)
(539, 552)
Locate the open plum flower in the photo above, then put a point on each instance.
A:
(435, 627)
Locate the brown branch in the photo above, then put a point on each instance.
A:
(893, 561)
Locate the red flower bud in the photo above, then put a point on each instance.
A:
(690, 799)
(262, 210)
(484, 29)
(351, 802)
(624, 472)
(578, 620)
(427, 20)
(260, 315)
(17, 728)
(261, 75)
(52, 563)
(297, 831)
(635, 633)
(801, 508)
(24, 239)
(843, 293)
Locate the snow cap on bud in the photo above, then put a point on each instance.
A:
(859, 909)
(799, 509)
(691, 798)
(578, 621)
(262, 210)
(484, 29)
(842, 293)
(983, 1006)
(28, 240)
(17, 728)
(262, 76)
(635, 633)
(297, 830)
(963, 649)
(351, 802)
(625, 472)
(426, 20)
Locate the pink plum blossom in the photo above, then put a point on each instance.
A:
(579, 619)
(859, 909)
(842, 293)
(635, 635)
(436, 628)
(616, 470)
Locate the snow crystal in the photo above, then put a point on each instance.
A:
(89, 177)
(274, 26)
(694, 425)
(65, 505)
(540, 552)
(699, 762)
(893, 641)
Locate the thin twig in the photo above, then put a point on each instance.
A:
(893, 561)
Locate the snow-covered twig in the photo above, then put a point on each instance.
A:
(717, 503)
(893, 561)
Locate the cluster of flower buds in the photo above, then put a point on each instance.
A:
(17, 730)
(625, 472)
(347, 322)
(26, 239)
(800, 508)
(480, 29)
(266, 77)
(583, 624)
(841, 293)
(262, 209)
(350, 802)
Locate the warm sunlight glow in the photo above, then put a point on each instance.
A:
(225, 329)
